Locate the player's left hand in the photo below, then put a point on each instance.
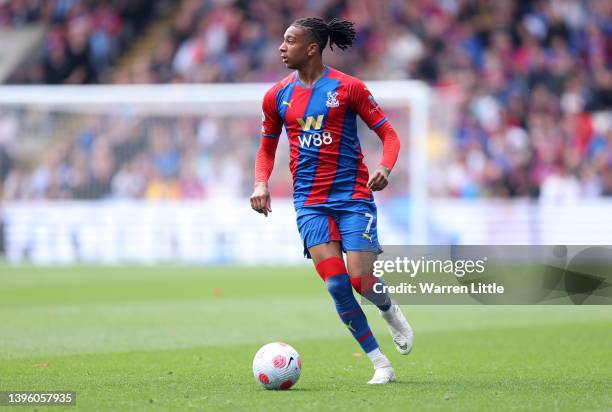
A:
(379, 179)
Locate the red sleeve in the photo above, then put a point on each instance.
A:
(271, 126)
(264, 160)
(271, 122)
(391, 145)
(363, 103)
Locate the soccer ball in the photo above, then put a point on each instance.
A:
(277, 366)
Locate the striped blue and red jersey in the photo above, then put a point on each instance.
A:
(321, 124)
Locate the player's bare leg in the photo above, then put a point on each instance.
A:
(360, 268)
(328, 261)
(324, 251)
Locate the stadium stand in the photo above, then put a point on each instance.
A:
(531, 80)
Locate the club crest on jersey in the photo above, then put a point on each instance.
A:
(332, 99)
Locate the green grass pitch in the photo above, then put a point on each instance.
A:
(176, 338)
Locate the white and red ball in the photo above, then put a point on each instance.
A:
(277, 366)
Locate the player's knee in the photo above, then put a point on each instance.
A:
(333, 272)
(339, 287)
(331, 267)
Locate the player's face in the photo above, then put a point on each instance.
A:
(297, 47)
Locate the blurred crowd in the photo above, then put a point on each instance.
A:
(131, 158)
(83, 40)
(529, 83)
(150, 157)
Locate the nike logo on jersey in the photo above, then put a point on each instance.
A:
(288, 103)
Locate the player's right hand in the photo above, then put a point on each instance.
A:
(260, 199)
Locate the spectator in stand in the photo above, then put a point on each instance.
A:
(84, 38)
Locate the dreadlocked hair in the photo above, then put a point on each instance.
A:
(340, 32)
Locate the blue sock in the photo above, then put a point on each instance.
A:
(350, 312)
(340, 288)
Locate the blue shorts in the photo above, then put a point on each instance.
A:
(352, 223)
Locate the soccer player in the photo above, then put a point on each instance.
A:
(318, 106)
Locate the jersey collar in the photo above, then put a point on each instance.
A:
(297, 79)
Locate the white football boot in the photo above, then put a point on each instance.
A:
(400, 329)
(382, 376)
